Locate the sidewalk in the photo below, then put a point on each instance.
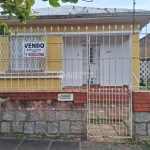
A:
(14, 144)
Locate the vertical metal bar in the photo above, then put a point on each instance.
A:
(10, 47)
(38, 87)
(65, 58)
(30, 60)
(122, 91)
(126, 112)
(106, 94)
(96, 69)
(112, 113)
(89, 68)
(99, 110)
(79, 75)
(93, 110)
(4, 62)
(25, 63)
(146, 61)
(72, 58)
(58, 53)
(130, 81)
(115, 93)
(109, 75)
(119, 96)
(16, 43)
(45, 83)
(52, 56)
(103, 80)
(87, 85)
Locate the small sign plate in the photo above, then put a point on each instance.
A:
(65, 97)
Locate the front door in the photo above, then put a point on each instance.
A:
(91, 59)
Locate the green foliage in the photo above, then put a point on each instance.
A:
(54, 3)
(22, 8)
(61, 134)
(147, 144)
(144, 85)
(19, 8)
(115, 141)
(101, 121)
(20, 135)
(4, 29)
(44, 135)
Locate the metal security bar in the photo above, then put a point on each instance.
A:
(96, 60)
(62, 64)
(110, 84)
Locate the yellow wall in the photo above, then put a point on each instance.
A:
(54, 58)
(135, 61)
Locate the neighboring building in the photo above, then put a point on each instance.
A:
(144, 55)
(145, 48)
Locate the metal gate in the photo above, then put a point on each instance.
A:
(109, 85)
(97, 59)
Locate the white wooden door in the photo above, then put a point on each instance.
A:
(93, 54)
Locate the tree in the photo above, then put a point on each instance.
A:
(22, 8)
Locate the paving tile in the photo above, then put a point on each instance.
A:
(64, 145)
(126, 147)
(110, 146)
(9, 144)
(142, 147)
(96, 146)
(34, 145)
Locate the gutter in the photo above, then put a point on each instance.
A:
(108, 15)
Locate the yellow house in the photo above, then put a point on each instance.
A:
(70, 47)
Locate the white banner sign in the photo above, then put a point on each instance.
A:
(34, 49)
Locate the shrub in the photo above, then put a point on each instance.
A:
(4, 29)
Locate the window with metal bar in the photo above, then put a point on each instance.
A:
(18, 62)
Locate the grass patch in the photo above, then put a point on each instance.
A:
(147, 144)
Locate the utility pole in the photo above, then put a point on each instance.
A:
(134, 3)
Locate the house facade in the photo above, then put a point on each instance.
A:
(81, 55)
(72, 42)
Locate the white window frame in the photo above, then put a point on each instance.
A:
(21, 63)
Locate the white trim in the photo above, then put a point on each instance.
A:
(79, 33)
(52, 72)
(29, 77)
(98, 43)
(135, 77)
(44, 72)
